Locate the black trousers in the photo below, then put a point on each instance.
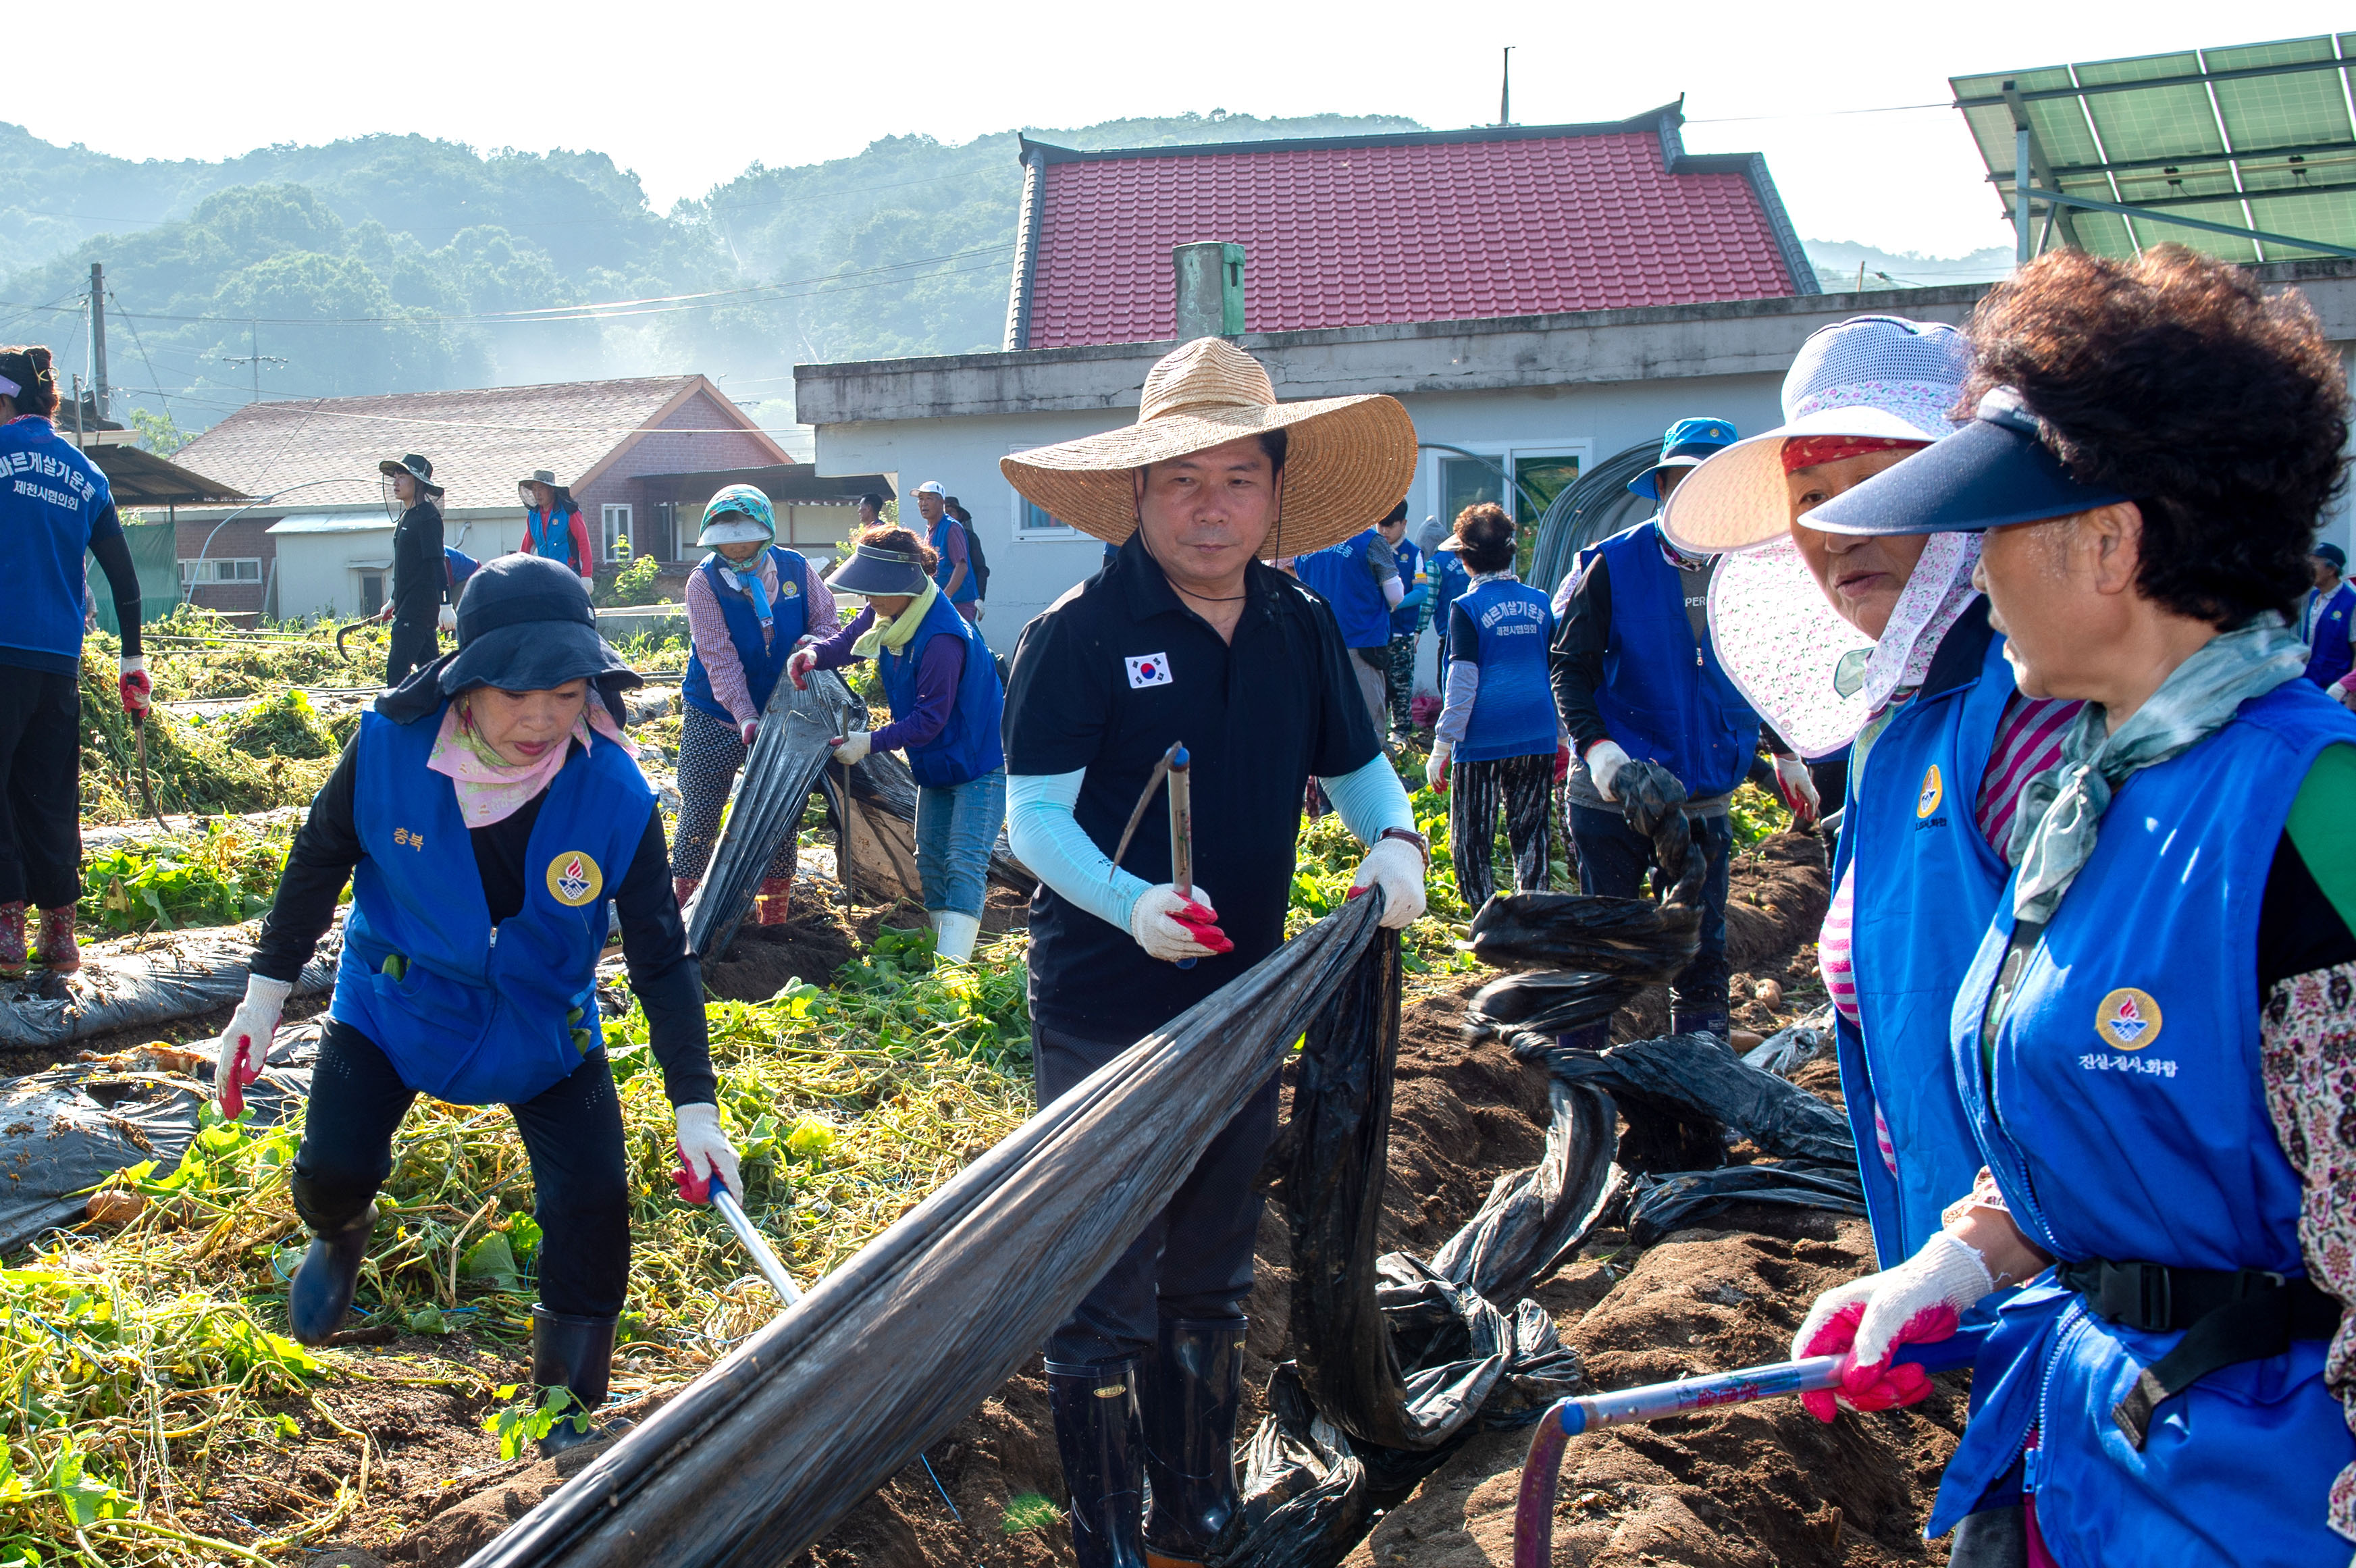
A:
(1195, 1258)
(1522, 788)
(414, 646)
(581, 1184)
(1613, 860)
(40, 800)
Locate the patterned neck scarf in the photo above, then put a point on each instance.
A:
(752, 580)
(491, 789)
(1934, 598)
(2061, 812)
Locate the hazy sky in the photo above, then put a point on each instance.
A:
(688, 93)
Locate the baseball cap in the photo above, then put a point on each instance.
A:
(2333, 553)
(931, 488)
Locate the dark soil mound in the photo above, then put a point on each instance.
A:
(764, 959)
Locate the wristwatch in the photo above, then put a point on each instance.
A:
(1422, 844)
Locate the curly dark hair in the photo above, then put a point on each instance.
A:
(884, 536)
(29, 365)
(2174, 378)
(1484, 536)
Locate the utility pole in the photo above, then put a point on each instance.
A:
(255, 358)
(1505, 90)
(97, 340)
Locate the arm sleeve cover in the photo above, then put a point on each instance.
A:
(1046, 837)
(1463, 689)
(1369, 800)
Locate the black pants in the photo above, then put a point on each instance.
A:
(415, 645)
(1522, 788)
(574, 1132)
(40, 804)
(1195, 1258)
(1613, 860)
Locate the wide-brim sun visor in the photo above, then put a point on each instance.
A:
(1993, 472)
(870, 570)
(734, 528)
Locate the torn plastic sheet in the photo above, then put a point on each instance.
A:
(764, 1452)
(1665, 1203)
(66, 1130)
(1787, 1050)
(142, 981)
(884, 791)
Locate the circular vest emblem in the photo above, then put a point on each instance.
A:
(1934, 792)
(2127, 1018)
(573, 878)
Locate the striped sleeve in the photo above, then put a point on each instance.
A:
(2028, 742)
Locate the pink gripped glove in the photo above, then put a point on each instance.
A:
(1865, 1321)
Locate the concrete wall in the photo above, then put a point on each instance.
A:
(317, 573)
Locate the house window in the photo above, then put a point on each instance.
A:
(618, 532)
(371, 592)
(208, 572)
(1032, 521)
(1466, 481)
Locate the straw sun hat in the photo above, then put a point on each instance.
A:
(1348, 460)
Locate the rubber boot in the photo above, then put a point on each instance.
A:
(60, 953)
(12, 940)
(1098, 1437)
(1718, 1024)
(953, 935)
(769, 903)
(576, 1353)
(322, 1292)
(1594, 1038)
(1190, 1437)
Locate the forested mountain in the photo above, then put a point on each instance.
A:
(399, 263)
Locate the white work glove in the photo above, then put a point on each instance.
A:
(134, 684)
(589, 583)
(1798, 789)
(850, 750)
(705, 1151)
(1171, 928)
(1604, 761)
(798, 667)
(1435, 767)
(747, 730)
(1393, 866)
(244, 1046)
(446, 618)
(1865, 1321)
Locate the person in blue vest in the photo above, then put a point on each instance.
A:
(1655, 724)
(946, 537)
(55, 505)
(1406, 624)
(1880, 643)
(1360, 578)
(750, 603)
(2152, 1039)
(945, 702)
(486, 813)
(553, 527)
(2327, 621)
(1493, 748)
(1449, 578)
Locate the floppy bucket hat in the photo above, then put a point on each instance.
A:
(525, 623)
(1876, 377)
(416, 467)
(738, 514)
(537, 476)
(1348, 459)
(1685, 445)
(872, 569)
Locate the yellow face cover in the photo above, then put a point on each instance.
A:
(896, 633)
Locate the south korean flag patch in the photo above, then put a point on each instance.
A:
(1148, 670)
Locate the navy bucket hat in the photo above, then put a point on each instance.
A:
(1994, 472)
(1684, 445)
(525, 623)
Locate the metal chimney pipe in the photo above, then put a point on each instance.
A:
(1210, 289)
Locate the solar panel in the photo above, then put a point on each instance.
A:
(2247, 153)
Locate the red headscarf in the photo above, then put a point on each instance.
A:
(1811, 451)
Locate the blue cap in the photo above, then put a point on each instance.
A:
(1685, 444)
(2333, 553)
(1994, 472)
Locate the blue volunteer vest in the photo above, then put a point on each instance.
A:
(1407, 620)
(553, 537)
(763, 661)
(474, 1016)
(1925, 883)
(1339, 575)
(2125, 1118)
(938, 537)
(2329, 656)
(1448, 580)
(50, 498)
(1512, 712)
(967, 746)
(1666, 700)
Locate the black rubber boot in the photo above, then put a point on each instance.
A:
(1594, 1038)
(1717, 1024)
(575, 1353)
(1103, 1449)
(322, 1291)
(1190, 1436)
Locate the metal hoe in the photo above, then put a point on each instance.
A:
(147, 790)
(1176, 769)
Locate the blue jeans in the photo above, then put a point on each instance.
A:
(957, 827)
(1613, 860)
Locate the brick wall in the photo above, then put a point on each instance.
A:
(682, 443)
(246, 538)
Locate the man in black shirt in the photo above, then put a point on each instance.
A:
(1185, 637)
(421, 575)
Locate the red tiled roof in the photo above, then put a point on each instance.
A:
(1421, 227)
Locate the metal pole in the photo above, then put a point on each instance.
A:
(1505, 90)
(97, 340)
(2024, 244)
